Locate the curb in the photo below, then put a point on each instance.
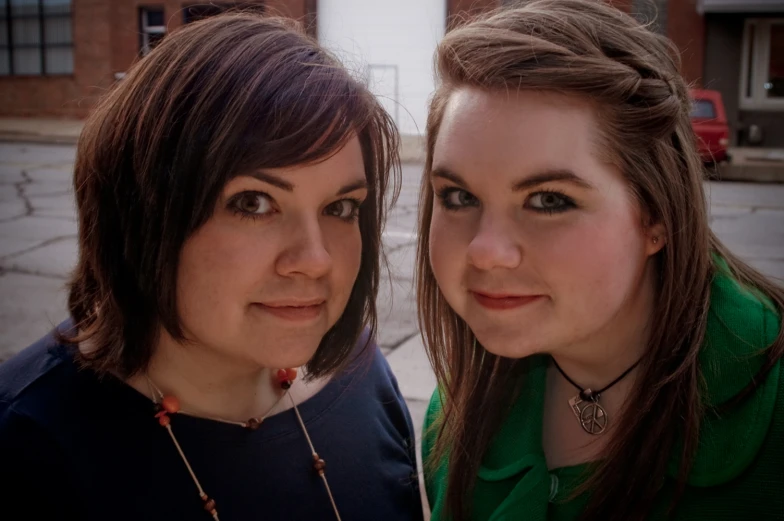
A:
(20, 137)
(750, 173)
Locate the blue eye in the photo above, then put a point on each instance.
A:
(454, 198)
(549, 202)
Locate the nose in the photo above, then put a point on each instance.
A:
(494, 246)
(306, 253)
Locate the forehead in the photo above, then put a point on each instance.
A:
(515, 132)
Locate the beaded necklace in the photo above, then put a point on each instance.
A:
(166, 405)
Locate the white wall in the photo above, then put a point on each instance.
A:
(388, 42)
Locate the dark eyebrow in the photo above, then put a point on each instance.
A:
(548, 176)
(272, 180)
(285, 185)
(449, 176)
(359, 184)
(524, 184)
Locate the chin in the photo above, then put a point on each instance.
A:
(294, 358)
(508, 344)
(280, 355)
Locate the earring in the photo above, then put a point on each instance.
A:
(655, 240)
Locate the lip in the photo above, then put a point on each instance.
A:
(496, 301)
(294, 310)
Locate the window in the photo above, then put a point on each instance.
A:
(703, 109)
(762, 79)
(152, 28)
(35, 37)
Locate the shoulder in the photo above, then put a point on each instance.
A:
(430, 427)
(370, 370)
(32, 389)
(742, 324)
(740, 315)
(34, 369)
(434, 472)
(367, 388)
(432, 417)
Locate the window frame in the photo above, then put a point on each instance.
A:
(755, 65)
(146, 30)
(41, 17)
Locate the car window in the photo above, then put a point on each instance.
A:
(703, 109)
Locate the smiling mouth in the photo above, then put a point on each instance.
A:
(296, 312)
(499, 302)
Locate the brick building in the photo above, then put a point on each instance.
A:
(58, 56)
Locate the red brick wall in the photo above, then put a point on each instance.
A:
(125, 34)
(106, 41)
(67, 96)
(125, 27)
(686, 27)
(457, 9)
(623, 5)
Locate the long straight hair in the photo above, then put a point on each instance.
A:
(595, 52)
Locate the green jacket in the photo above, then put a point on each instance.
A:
(739, 467)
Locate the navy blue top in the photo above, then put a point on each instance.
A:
(73, 446)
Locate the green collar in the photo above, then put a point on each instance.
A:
(740, 324)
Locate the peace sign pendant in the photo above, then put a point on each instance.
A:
(592, 416)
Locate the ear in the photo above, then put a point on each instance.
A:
(656, 239)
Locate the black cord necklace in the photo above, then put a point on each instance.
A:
(585, 406)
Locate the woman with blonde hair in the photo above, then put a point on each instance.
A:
(600, 354)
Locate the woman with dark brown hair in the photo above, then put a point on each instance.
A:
(600, 354)
(220, 360)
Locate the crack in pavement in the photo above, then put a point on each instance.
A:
(21, 193)
(394, 346)
(35, 273)
(19, 186)
(42, 244)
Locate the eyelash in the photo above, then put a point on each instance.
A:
(356, 205)
(568, 203)
(443, 195)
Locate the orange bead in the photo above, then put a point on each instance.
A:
(283, 376)
(171, 404)
(292, 374)
(164, 420)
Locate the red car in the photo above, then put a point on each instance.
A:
(709, 121)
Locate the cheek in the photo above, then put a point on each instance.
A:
(595, 260)
(447, 250)
(345, 247)
(219, 268)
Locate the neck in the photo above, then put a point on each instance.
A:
(208, 384)
(594, 362)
